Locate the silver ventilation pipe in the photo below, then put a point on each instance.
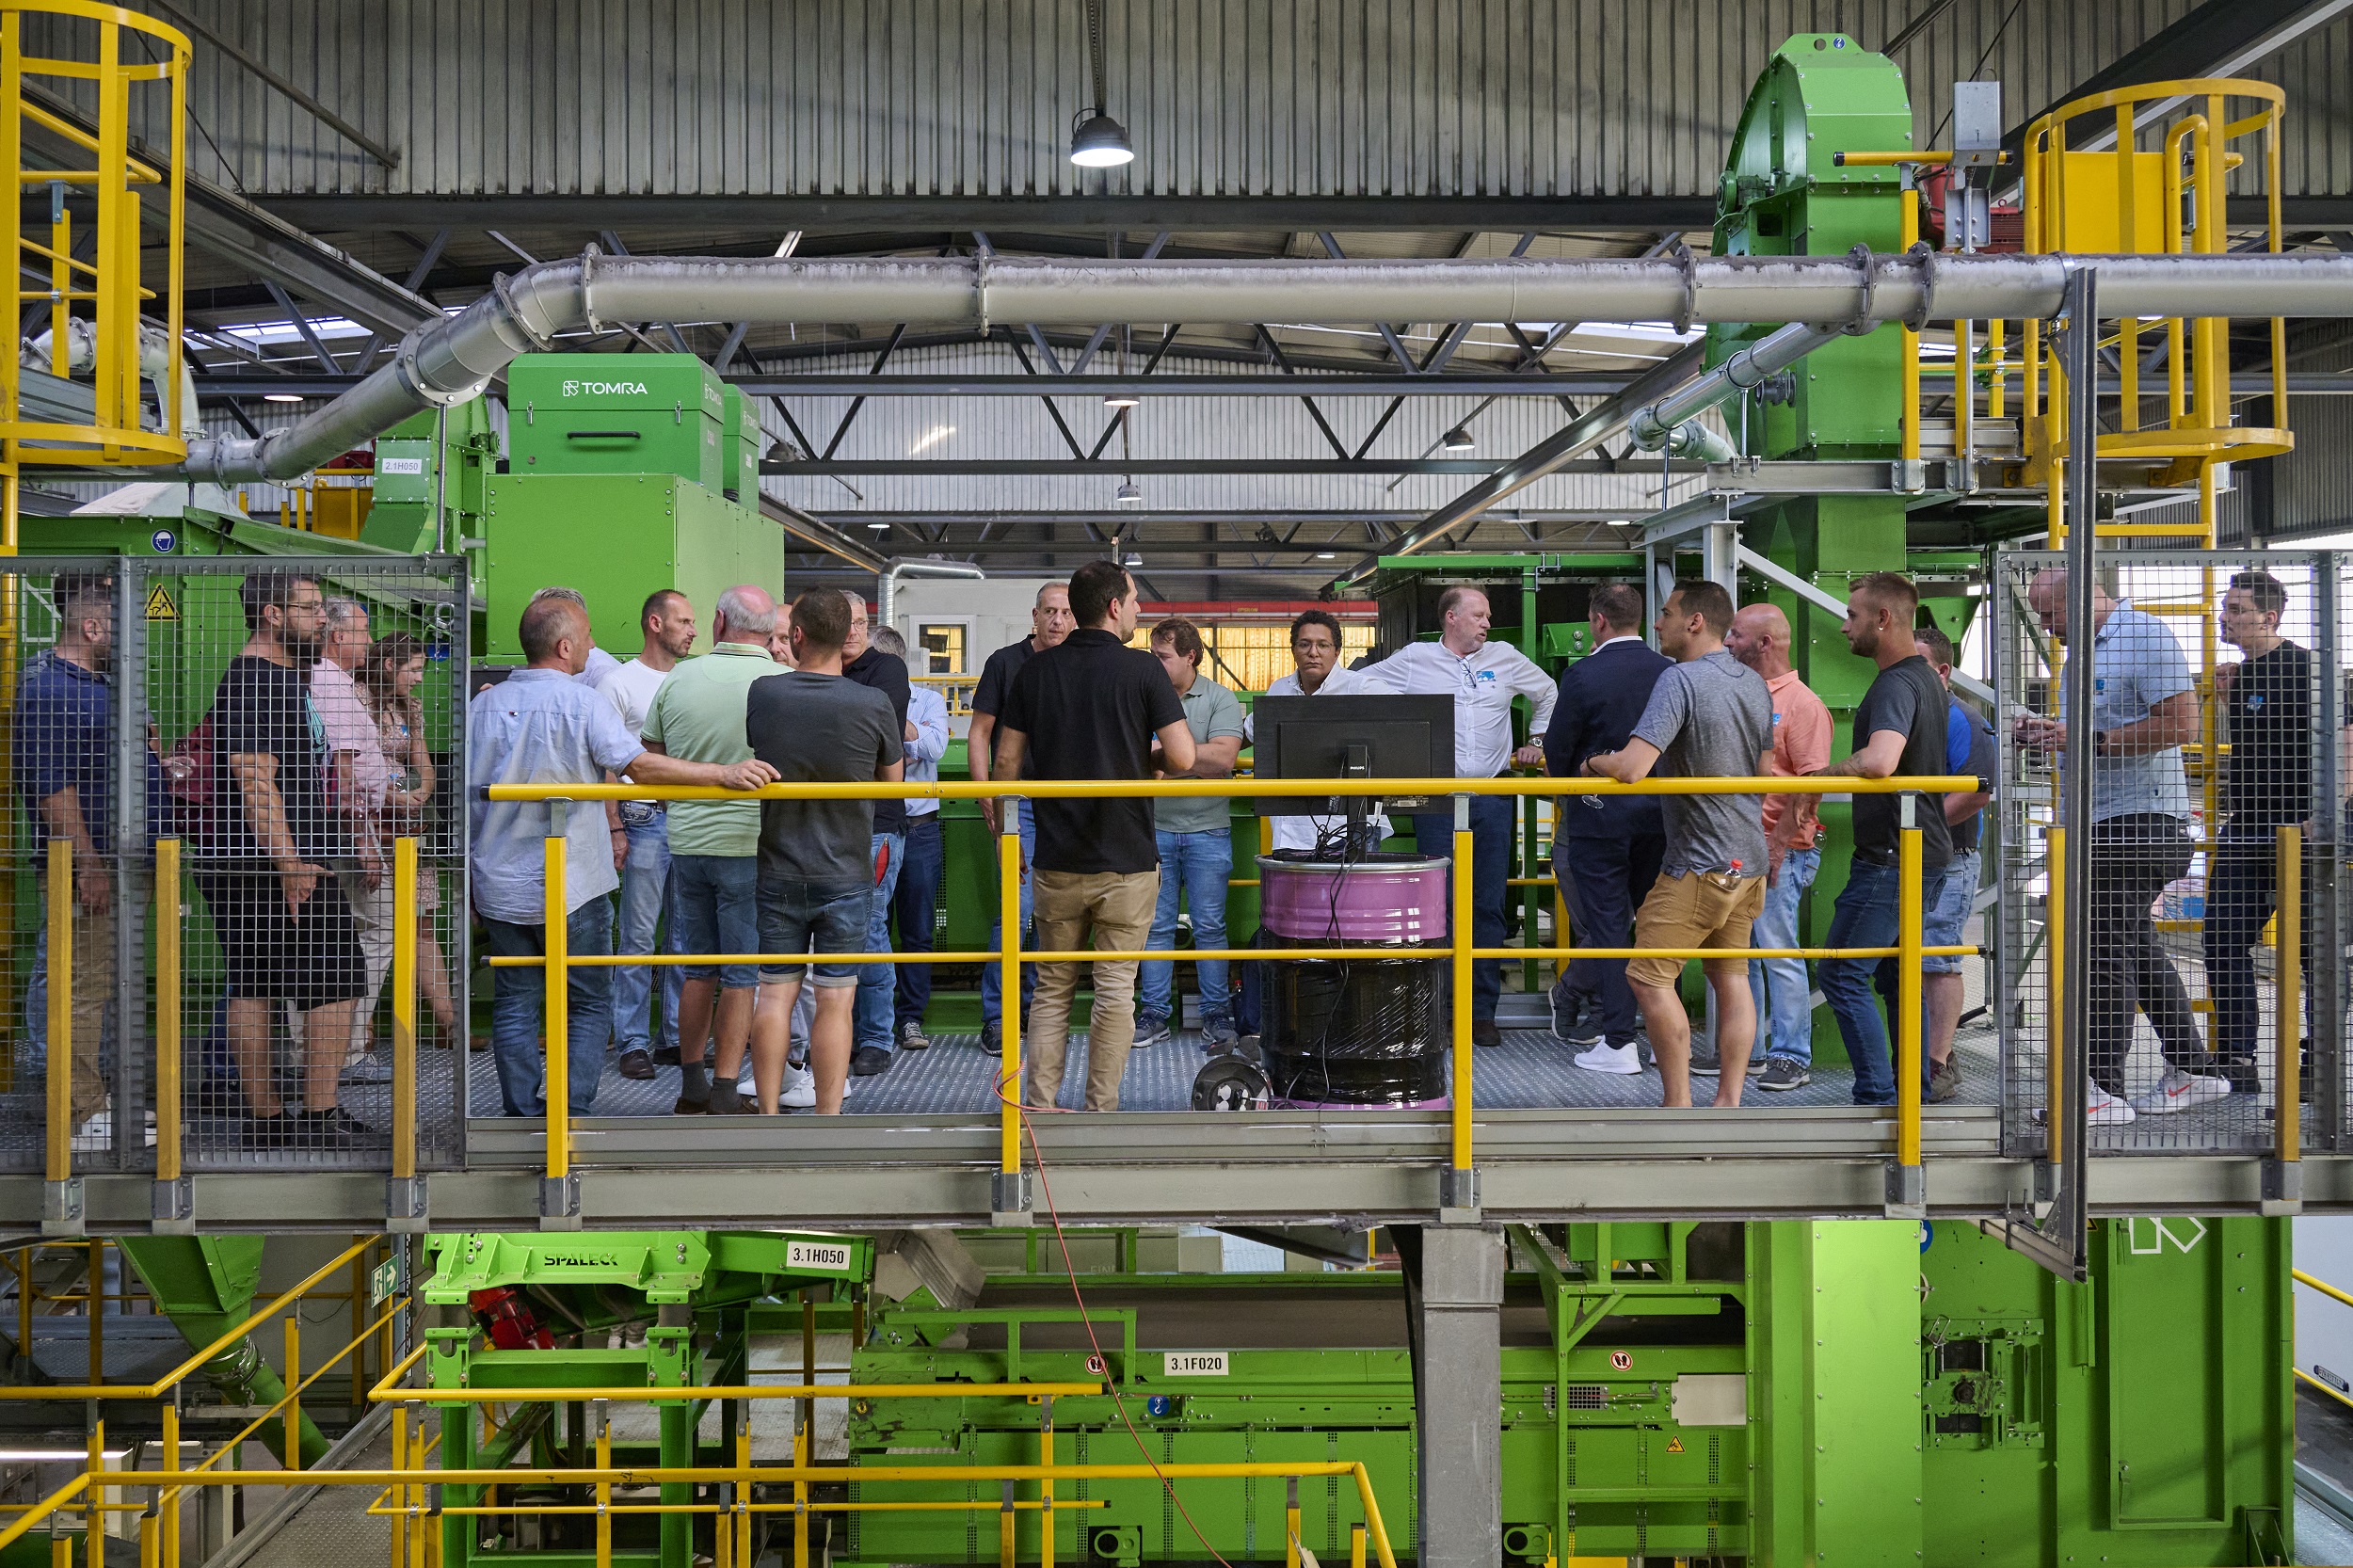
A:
(448, 361)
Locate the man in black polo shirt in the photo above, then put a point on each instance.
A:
(1090, 709)
(1899, 729)
(871, 667)
(2267, 706)
(1050, 623)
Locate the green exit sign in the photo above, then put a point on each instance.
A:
(383, 1280)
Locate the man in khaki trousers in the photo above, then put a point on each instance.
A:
(1091, 707)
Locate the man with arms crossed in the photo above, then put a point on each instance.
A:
(816, 856)
(1708, 717)
(1091, 707)
(1196, 844)
(1802, 739)
(1483, 677)
(917, 898)
(1050, 623)
(1899, 729)
(667, 620)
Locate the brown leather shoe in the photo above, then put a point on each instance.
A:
(1484, 1033)
(636, 1064)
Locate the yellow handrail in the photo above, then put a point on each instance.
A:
(1162, 788)
(2320, 1285)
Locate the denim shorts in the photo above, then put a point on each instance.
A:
(715, 908)
(1943, 925)
(799, 916)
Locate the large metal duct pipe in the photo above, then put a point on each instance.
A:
(446, 362)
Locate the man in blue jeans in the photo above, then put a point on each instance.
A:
(1900, 725)
(877, 983)
(667, 620)
(540, 725)
(917, 899)
(1196, 844)
(1801, 740)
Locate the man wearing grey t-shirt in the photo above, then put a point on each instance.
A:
(1710, 716)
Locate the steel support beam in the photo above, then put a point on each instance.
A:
(1458, 1389)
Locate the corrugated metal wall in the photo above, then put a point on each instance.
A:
(1222, 97)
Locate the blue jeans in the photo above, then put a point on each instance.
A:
(1866, 915)
(1196, 865)
(645, 894)
(802, 917)
(876, 981)
(914, 908)
(515, 998)
(1494, 821)
(715, 908)
(1785, 1008)
(992, 1008)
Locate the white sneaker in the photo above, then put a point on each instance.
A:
(97, 1135)
(2105, 1110)
(1623, 1060)
(800, 1089)
(2177, 1091)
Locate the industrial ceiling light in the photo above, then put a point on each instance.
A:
(1128, 494)
(280, 398)
(1457, 440)
(1121, 400)
(1326, 555)
(1131, 561)
(1098, 140)
(879, 527)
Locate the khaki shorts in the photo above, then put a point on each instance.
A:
(1698, 909)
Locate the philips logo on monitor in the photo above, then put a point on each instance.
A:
(605, 389)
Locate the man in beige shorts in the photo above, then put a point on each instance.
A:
(1710, 716)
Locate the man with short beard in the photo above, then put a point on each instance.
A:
(286, 931)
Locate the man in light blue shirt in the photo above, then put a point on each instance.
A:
(916, 901)
(539, 725)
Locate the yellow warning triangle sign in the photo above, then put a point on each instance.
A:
(1675, 1444)
(159, 605)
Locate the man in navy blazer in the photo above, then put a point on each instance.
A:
(1605, 852)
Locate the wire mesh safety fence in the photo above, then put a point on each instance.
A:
(2214, 742)
(287, 724)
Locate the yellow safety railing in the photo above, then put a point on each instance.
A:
(1460, 949)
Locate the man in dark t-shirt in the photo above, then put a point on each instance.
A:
(1899, 730)
(816, 856)
(872, 1034)
(1090, 709)
(1050, 623)
(2268, 704)
(286, 933)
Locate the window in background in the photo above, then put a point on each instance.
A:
(944, 642)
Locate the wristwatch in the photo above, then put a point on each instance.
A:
(2099, 743)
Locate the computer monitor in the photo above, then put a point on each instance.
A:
(1386, 736)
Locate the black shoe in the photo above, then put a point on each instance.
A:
(265, 1134)
(868, 1061)
(1781, 1073)
(637, 1065)
(992, 1037)
(1705, 1062)
(2240, 1071)
(666, 1056)
(1484, 1033)
(329, 1130)
(726, 1099)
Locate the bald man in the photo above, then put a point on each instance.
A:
(1759, 638)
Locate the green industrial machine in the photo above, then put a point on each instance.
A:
(622, 474)
(1777, 1393)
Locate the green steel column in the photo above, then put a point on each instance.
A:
(670, 1362)
(1835, 1393)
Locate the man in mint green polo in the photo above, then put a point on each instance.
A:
(714, 845)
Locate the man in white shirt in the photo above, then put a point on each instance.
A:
(1483, 677)
(357, 758)
(1316, 654)
(642, 836)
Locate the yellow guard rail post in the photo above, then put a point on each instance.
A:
(559, 1205)
(1458, 1193)
(173, 1207)
(1907, 1190)
(61, 1195)
(405, 1193)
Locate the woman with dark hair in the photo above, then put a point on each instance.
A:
(387, 680)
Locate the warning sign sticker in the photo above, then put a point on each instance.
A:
(159, 605)
(1675, 1444)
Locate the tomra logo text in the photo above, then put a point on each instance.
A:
(622, 389)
